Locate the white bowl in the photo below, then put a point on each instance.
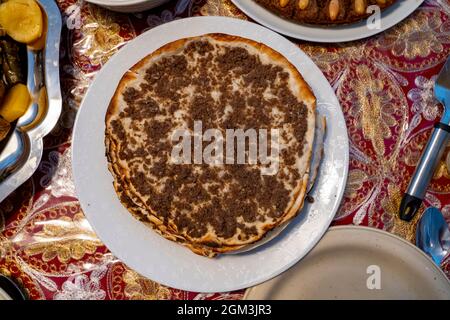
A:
(128, 5)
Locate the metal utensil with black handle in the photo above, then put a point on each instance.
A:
(433, 152)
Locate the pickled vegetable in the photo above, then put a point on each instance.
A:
(16, 103)
(4, 128)
(39, 44)
(42, 103)
(2, 90)
(11, 62)
(2, 83)
(22, 20)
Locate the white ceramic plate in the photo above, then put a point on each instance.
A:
(349, 32)
(164, 261)
(4, 295)
(128, 5)
(337, 268)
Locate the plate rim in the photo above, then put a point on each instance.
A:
(4, 295)
(220, 287)
(125, 3)
(331, 39)
(381, 232)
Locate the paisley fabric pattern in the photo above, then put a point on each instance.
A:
(384, 84)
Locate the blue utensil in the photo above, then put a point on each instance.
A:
(433, 235)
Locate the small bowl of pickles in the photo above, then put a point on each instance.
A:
(22, 25)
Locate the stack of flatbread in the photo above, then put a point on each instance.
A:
(224, 83)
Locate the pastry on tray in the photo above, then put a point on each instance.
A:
(323, 12)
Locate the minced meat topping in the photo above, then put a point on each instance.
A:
(224, 87)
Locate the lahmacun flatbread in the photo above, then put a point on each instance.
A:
(223, 82)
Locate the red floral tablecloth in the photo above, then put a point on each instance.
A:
(384, 84)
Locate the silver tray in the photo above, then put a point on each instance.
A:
(22, 153)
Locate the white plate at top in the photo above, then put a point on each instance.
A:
(348, 32)
(167, 262)
(128, 5)
(347, 259)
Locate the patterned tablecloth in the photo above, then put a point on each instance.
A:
(385, 87)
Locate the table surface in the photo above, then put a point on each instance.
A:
(384, 85)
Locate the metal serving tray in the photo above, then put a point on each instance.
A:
(22, 153)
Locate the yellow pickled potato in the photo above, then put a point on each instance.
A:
(15, 103)
(39, 44)
(42, 109)
(22, 20)
(42, 103)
